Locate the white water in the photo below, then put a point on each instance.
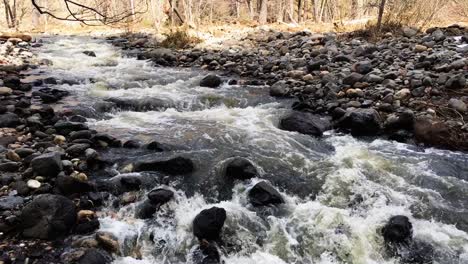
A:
(327, 226)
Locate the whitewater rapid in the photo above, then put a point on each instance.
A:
(339, 191)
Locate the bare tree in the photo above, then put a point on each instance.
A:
(381, 11)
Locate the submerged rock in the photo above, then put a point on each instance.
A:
(48, 216)
(263, 194)
(160, 196)
(305, 123)
(397, 230)
(208, 223)
(173, 166)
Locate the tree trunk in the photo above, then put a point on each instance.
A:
(262, 18)
(299, 11)
(381, 11)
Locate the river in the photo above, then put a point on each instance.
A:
(338, 190)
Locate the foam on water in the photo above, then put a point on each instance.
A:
(363, 183)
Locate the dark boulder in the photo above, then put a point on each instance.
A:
(47, 165)
(48, 216)
(9, 120)
(87, 226)
(130, 183)
(172, 166)
(264, 194)
(316, 65)
(66, 127)
(211, 81)
(146, 210)
(82, 134)
(49, 95)
(361, 122)
(107, 139)
(95, 256)
(305, 123)
(208, 223)
(68, 185)
(280, 88)
(240, 169)
(160, 196)
(11, 81)
(398, 230)
(157, 146)
(89, 53)
(77, 150)
(206, 253)
(132, 144)
(9, 166)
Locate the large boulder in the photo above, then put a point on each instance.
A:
(47, 165)
(95, 256)
(160, 196)
(361, 122)
(397, 230)
(305, 123)
(211, 81)
(264, 194)
(208, 223)
(48, 216)
(240, 169)
(9, 120)
(172, 166)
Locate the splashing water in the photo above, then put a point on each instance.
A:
(339, 191)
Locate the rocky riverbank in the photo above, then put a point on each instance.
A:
(411, 87)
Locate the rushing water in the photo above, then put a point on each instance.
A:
(339, 191)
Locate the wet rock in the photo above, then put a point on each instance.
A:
(209, 223)
(279, 89)
(95, 256)
(108, 241)
(404, 120)
(48, 216)
(397, 230)
(211, 81)
(263, 194)
(77, 150)
(361, 122)
(172, 166)
(146, 210)
(457, 105)
(49, 95)
(240, 169)
(89, 53)
(11, 81)
(305, 123)
(9, 166)
(87, 227)
(47, 165)
(9, 120)
(157, 146)
(66, 127)
(207, 253)
(13, 156)
(160, 196)
(107, 140)
(130, 183)
(68, 185)
(132, 144)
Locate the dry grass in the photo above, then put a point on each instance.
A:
(179, 39)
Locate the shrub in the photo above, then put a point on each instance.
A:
(179, 39)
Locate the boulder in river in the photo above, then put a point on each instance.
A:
(48, 216)
(211, 81)
(280, 88)
(305, 123)
(361, 122)
(398, 230)
(173, 166)
(208, 223)
(47, 165)
(95, 256)
(241, 169)
(89, 53)
(160, 196)
(264, 194)
(68, 185)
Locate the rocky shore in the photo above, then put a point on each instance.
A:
(411, 87)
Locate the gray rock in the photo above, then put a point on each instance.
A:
(456, 82)
(47, 165)
(363, 67)
(10, 202)
(458, 105)
(279, 88)
(305, 123)
(352, 78)
(9, 120)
